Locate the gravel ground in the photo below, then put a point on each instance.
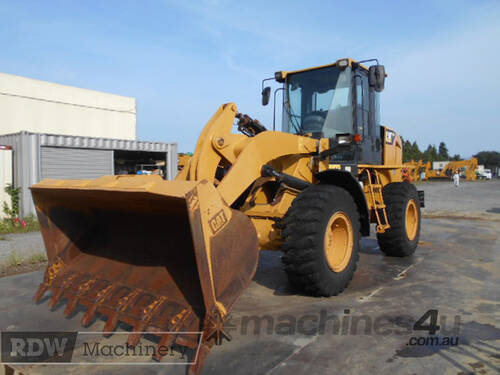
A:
(23, 243)
(470, 196)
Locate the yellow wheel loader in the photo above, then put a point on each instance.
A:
(173, 256)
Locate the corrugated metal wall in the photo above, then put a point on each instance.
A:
(5, 177)
(75, 163)
(26, 148)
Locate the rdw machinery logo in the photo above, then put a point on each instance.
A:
(33, 347)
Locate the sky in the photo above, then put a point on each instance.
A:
(183, 59)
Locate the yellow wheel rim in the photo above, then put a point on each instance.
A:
(339, 241)
(411, 220)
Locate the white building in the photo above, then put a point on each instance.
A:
(439, 165)
(44, 107)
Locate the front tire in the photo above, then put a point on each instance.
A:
(321, 240)
(403, 212)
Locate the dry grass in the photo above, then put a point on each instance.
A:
(37, 257)
(15, 259)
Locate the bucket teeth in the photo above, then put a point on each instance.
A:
(101, 295)
(82, 289)
(135, 337)
(126, 301)
(178, 323)
(66, 284)
(44, 286)
(121, 306)
(89, 315)
(147, 316)
(166, 342)
(55, 298)
(71, 307)
(110, 325)
(40, 292)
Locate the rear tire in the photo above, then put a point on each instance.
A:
(403, 212)
(321, 239)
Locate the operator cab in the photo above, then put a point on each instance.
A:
(338, 101)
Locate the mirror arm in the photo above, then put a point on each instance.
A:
(264, 80)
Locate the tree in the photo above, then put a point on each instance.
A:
(490, 159)
(411, 151)
(430, 154)
(406, 151)
(456, 157)
(443, 152)
(417, 154)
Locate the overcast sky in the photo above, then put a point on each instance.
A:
(183, 59)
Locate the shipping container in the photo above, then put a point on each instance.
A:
(37, 156)
(5, 176)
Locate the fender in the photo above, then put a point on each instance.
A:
(347, 181)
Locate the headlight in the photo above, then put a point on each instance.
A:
(343, 63)
(344, 139)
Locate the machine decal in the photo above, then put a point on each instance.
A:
(390, 136)
(218, 221)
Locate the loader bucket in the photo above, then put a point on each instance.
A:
(157, 255)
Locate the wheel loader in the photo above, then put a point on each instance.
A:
(174, 256)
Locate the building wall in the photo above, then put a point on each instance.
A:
(44, 107)
(439, 165)
(26, 164)
(5, 177)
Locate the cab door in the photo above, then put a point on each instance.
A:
(369, 150)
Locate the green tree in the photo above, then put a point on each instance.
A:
(14, 193)
(443, 152)
(490, 159)
(430, 154)
(417, 154)
(456, 157)
(406, 151)
(411, 151)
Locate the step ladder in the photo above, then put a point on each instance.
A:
(376, 201)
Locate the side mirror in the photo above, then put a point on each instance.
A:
(376, 77)
(266, 94)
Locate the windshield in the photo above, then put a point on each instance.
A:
(319, 101)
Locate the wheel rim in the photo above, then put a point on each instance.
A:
(411, 220)
(339, 240)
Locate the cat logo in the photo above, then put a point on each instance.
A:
(218, 221)
(389, 137)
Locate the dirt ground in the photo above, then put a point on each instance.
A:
(367, 329)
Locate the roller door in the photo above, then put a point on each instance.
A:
(75, 163)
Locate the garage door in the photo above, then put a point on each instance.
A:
(75, 163)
